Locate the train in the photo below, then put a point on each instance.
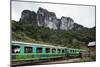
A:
(23, 52)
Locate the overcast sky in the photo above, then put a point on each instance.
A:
(84, 15)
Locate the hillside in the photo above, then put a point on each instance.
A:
(39, 34)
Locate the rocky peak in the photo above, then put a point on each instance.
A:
(46, 18)
(66, 23)
(28, 17)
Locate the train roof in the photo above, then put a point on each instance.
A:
(75, 49)
(35, 44)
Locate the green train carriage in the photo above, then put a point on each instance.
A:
(22, 51)
(72, 52)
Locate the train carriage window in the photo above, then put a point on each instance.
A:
(39, 50)
(47, 50)
(59, 50)
(74, 51)
(63, 51)
(28, 50)
(15, 49)
(71, 51)
(53, 50)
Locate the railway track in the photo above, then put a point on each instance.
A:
(50, 62)
(63, 61)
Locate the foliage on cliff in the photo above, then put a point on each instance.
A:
(72, 38)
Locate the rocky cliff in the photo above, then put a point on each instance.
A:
(28, 17)
(67, 23)
(48, 19)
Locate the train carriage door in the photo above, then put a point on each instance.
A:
(47, 52)
(66, 52)
(39, 52)
(15, 50)
(27, 50)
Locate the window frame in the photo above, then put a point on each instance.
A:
(53, 50)
(41, 51)
(59, 50)
(63, 51)
(46, 50)
(15, 47)
(28, 48)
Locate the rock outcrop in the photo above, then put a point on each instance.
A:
(48, 19)
(66, 23)
(28, 17)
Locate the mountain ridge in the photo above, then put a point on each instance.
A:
(48, 19)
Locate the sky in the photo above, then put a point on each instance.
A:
(84, 15)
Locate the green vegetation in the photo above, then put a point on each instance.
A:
(31, 33)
